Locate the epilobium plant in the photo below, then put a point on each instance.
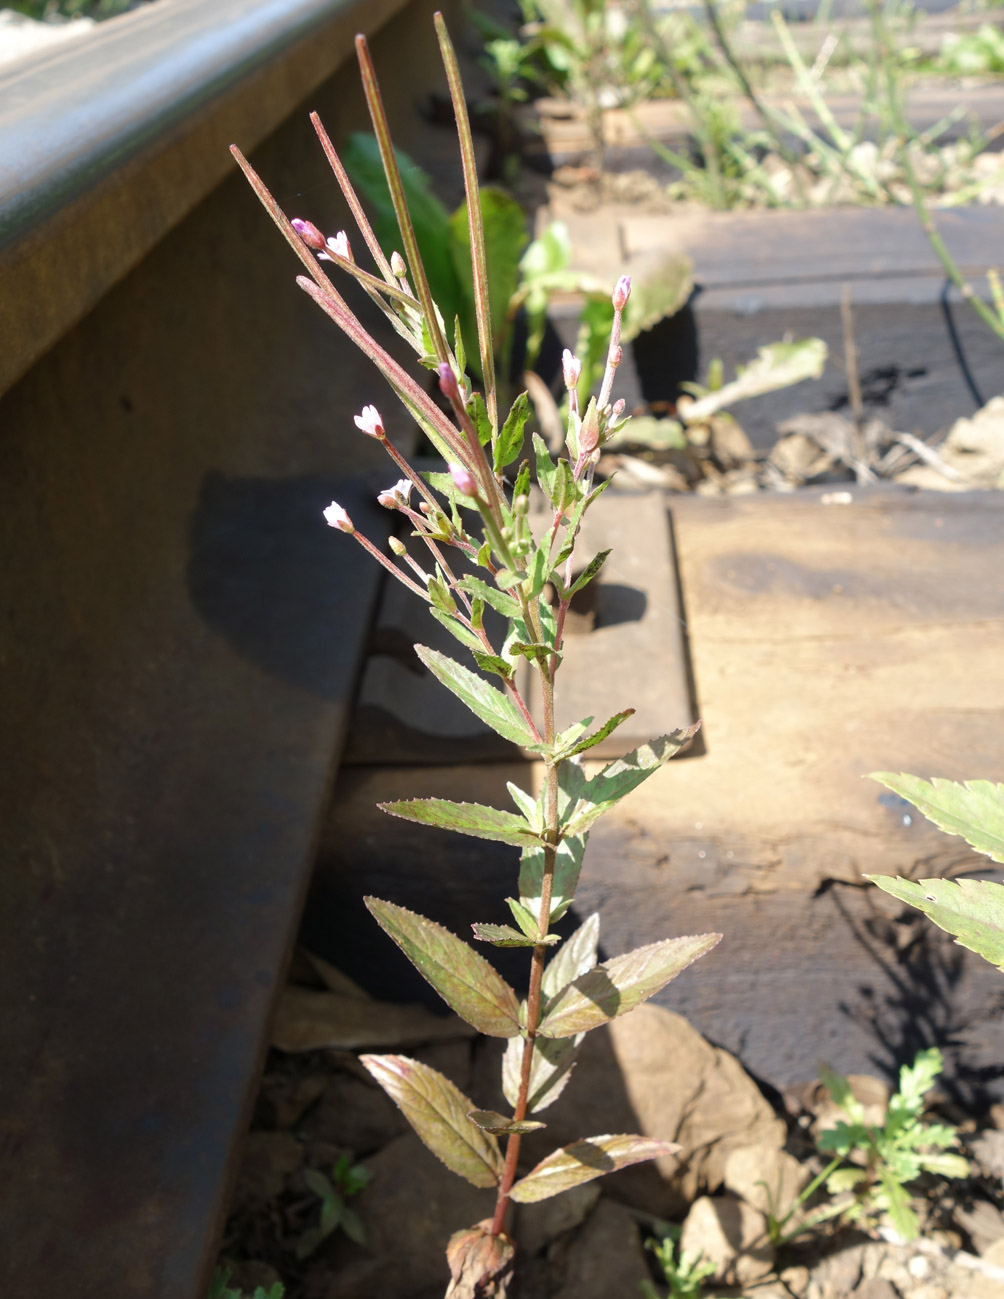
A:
(483, 553)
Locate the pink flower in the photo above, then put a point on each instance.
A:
(394, 497)
(339, 245)
(336, 517)
(370, 422)
(463, 480)
(309, 233)
(571, 368)
(621, 293)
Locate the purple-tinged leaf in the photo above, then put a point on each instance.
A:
(974, 810)
(465, 818)
(462, 977)
(493, 707)
(598, 794)
(577, 957)
(584, 1160)
(550, 1070)
(528, 805)
(618, 985)
(498, 1125)
(506, 936)
(523, 918)
(567, 864)
(597, 737)
(438, 1111)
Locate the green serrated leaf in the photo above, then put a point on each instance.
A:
(568, 863)
(493, 663)
(971, 910)
(477, 413)
(916, 1080)
(465, 818)
(528, 805)
(496, 599)
(506, 936)
(584, 1160)
(438, 1111)
(522, 484)
(510, 440)
(493, 707)
(550, 1069)
(778, 365)
(577, 957)
(974, 810)
(499, 1125)
(441, 597)
(546, 471)
(620, 777)
(618, 985)
(589, 572)
(457, 629)
(536, 577)
(526, 921)
(902, 1217)
(597, 737)
(566, 491)
(462, 977)
(534, 651)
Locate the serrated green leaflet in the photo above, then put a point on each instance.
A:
(510, 440)
(577, 956)
(457, 629)
(493, 663)
(598, 794)
(498, 600)
(528, 805)
(525, 919)
(499, 1125)
(438, 1111)
(478, 415)
(617, 986)
(545, 466)
(550, 1070)
(441, 597)
(577, 745)
(971, 910)
(589, 572)
(536, 574)
(506, 936)
(465, 818)
(463, 978)
(567, 864)
(974, 810)
(494, 708)
(583, 1160)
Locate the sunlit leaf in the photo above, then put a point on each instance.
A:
(510, 439)
(465, 818)
(577, 745)
(971, 910)
(550, 1070)
(598, 794)
(577, 956)
(478, 413)
(493, 707)
(461, 976)
(584, 1160)
(568, 863)
(618, 985)
(528, 805)
(546, 471)
(506, 936)
(526, 921)
(974, 810)
(498, 600)
(497, 1124)
(778, 365)
(505, 238)
(492, 663)
(438, 1111)
(457, 629)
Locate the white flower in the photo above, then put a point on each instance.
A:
(336, 517)
(370, 422)
(394, 497)
(339, 245)
(571, 368)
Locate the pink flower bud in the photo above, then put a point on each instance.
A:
(336, 517)
(398, 265)
(616, 355)
(448, 382)
(339, 245)
(309, 233)
(394, 497)
(622, 291)
(571, 368)
(589, 431)
(617, 410)
(463, 480)
(370, 422)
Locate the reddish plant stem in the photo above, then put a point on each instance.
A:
(533, 1000)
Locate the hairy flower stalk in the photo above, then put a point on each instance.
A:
(499, 564)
